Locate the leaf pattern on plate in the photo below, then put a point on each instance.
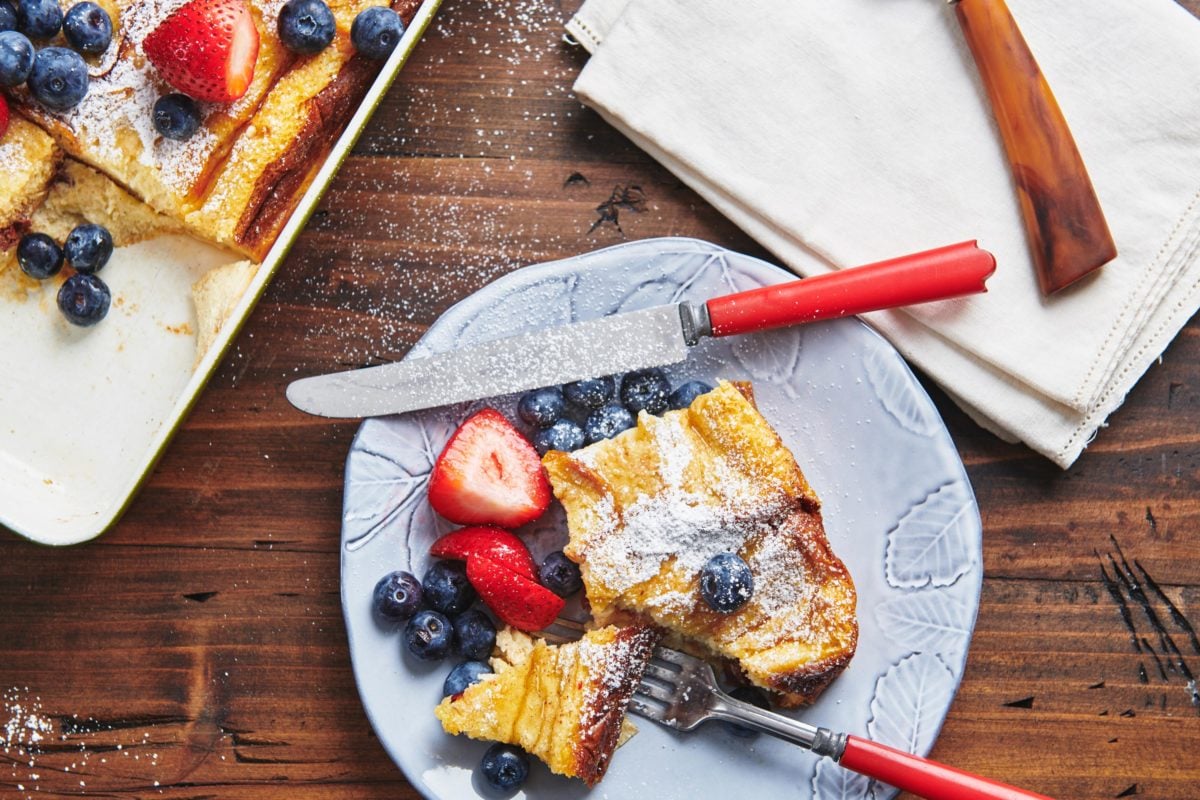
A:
(898, 394)
(831, 782)
(772, 356)
(554, 299)
(926, 621)
(388, 477)
(929, 543)
(910, 701)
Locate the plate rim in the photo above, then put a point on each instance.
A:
(533, 273)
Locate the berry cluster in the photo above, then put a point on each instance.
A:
(489, 478)
(440, 621)
(568, 417)
(83, 298)
(57, 77)
(307, 27)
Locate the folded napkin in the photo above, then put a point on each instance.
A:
(848, 132)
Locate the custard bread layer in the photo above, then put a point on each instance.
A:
(563, 704)
(647, 509)
(237, 180)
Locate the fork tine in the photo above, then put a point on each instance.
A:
(573, 624)
(647, 710)
(657, 692)
(665, 674)
(674, 656)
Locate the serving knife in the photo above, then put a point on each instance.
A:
(651, 337)
(1068, 235)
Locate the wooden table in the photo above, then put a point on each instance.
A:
(197, 650)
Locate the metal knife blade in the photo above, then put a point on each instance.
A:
(636, 340)
(653, 337)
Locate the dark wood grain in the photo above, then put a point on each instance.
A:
(197, 650)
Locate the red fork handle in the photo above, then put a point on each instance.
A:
(939, 274)
(922, 777)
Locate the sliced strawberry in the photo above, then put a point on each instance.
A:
(517, 601)
(3, 116)
(489, 474)
(496, 544)
(206, 49)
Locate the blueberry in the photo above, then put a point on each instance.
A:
(88, 248)
(84, 300)
(306, 26)
(8, 16)
(429, 635)
(755, 697)
(563, 435)
(504, 767)
(541, 407)
(16, 58)
(726, 583)
(606, 422)
(59, 78)
(176, 116)
(560, 574)
(39, 256)
(475, 634)
(683, 395)
(446, 588)
(39, 19)
(645, 389)
(590, 392)
(88, 28)
(397, 595)
(376, 31)
(464, 675)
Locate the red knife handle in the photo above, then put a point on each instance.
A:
(922, 777)
(939, 274)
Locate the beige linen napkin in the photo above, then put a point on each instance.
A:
(847, 132)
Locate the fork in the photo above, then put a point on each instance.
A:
(680, 691)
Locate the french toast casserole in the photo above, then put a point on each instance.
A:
(231, 164)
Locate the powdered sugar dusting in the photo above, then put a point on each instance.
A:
(23, 730)
(686, 522)
(122, 100)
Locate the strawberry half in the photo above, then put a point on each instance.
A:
(206, 49)
(489, 474)
(495, 544)
(517, 601)
(3, 116)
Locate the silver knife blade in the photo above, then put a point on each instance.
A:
(651, 337)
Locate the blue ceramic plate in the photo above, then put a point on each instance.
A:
(896, 501)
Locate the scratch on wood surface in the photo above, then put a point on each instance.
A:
(1129, 589)
(1024, 702)
(631, 198)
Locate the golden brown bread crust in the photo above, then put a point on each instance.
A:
(29, 160)
(600, 724)
(563, 704)
(644, 509)
(238, 181)
(280, 186)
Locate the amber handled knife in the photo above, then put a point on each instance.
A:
(1067, 231)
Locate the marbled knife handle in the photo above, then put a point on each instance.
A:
(1067, 232)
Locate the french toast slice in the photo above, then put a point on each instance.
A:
(648, 508)
(29, 159)
(238, 179)
(564, 704)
